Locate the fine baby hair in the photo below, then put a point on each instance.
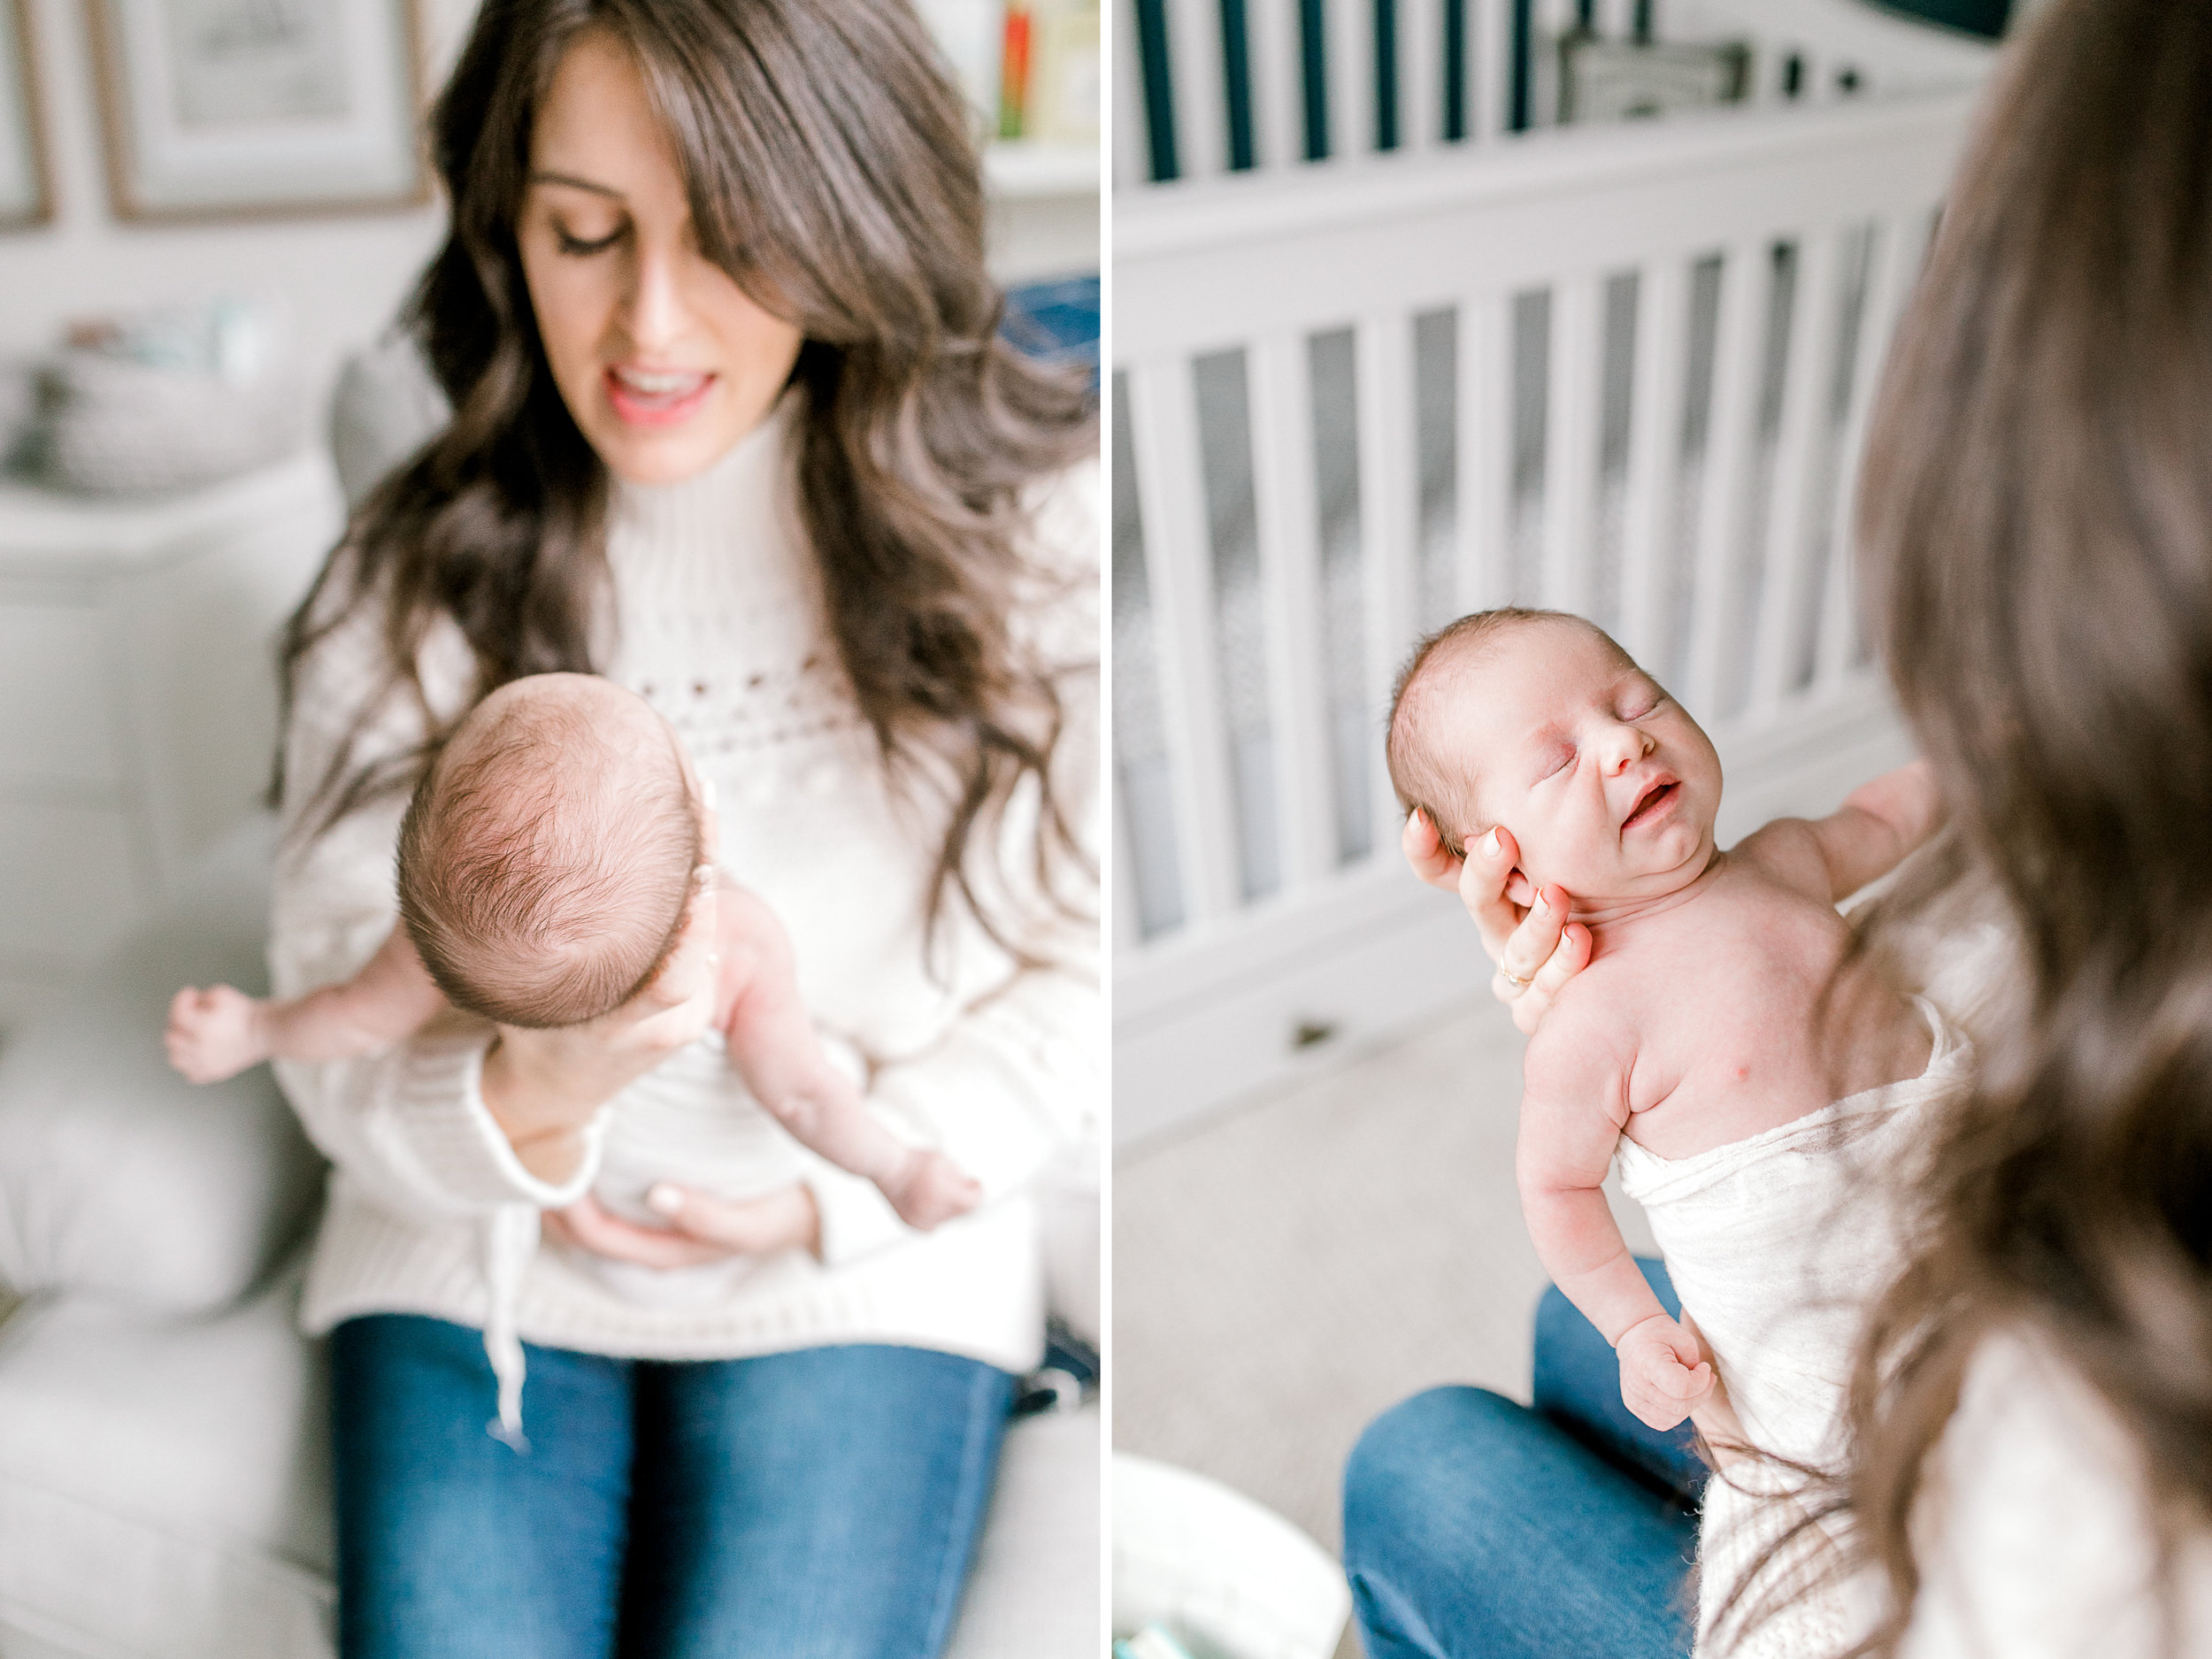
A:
(547, 858)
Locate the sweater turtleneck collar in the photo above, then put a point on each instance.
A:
(738, 485)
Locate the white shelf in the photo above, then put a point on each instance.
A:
(1026, 167)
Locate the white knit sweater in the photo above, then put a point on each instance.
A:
(720, 623)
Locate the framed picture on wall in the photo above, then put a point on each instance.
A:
(223, 108)
(27, 191)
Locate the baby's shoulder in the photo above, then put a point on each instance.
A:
(1785, 854)
(1587, 1042)
(744, 922)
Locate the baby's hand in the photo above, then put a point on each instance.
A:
(930, 1190)
(214, 1033)
(1662, 1374)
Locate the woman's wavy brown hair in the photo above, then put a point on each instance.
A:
(2036, 515)
(830, 164)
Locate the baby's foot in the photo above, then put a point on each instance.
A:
(932, 1188)
(214, 1033)
(1663, 1373)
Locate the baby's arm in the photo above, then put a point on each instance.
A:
(772, 1043)
(1574, 1103)
(220, 1032)
(1863, 840)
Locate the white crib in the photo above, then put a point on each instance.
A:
(1235, 89)
(1620, 370)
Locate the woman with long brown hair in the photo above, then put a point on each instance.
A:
(2029, 1469)
(732, 425)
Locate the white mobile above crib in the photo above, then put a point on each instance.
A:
(1621, 371)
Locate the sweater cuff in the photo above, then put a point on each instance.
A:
(438, 1101)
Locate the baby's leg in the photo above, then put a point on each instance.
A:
(772, 1042)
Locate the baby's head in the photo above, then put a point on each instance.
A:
(546, 860)
(1537, 721)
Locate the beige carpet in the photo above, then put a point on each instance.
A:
(1285, 1273)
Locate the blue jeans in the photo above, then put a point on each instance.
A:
(1477, 1528)
(821, 1504)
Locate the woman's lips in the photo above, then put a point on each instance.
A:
(656, 397)
(1652, 803)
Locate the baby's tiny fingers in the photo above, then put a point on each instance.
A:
(1682, 1382)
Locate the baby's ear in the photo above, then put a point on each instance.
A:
(1520, 889)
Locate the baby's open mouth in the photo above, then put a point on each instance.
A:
(1653, 802)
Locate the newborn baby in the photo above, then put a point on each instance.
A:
(1689, 1043)
(547, 865)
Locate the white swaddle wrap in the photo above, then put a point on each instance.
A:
(1777, 1244)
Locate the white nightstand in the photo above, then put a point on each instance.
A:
(137, 696)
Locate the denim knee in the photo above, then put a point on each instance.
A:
(1399, 1457)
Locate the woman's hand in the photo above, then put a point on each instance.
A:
(1525, 932)
(542, 1087)
(701, 1228)
(1714, 1415)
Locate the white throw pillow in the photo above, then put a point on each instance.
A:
(117, 1175)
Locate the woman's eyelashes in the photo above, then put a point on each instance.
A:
(570, 243)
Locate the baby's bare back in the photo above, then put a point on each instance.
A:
(1720, 997)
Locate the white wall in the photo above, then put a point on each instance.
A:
(341, 277)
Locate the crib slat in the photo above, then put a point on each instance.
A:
(1654, 459)
(1285, 501)
(1120, 879)
(1570, 441)
(1490, 71)
(1178, 573)
(1350, 53)
(1131, 163)
(1194, 59)
(1278, 104)
(1420, 74)
(1730, 437)
(1809, 372)
(1482, 485)
(1901, 243)
(1389, 499)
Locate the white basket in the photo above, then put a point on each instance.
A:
(1218, 1570)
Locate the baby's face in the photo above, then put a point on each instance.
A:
(1606, 785)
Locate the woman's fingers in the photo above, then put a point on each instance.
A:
(1524, 929)
(1713, 1413)
(690, 969)
(677, 1007)
(1488, 883)
(589, 1224)
(784, 1219)
(700, 1228)
(1568, 958)
(1425, 851)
